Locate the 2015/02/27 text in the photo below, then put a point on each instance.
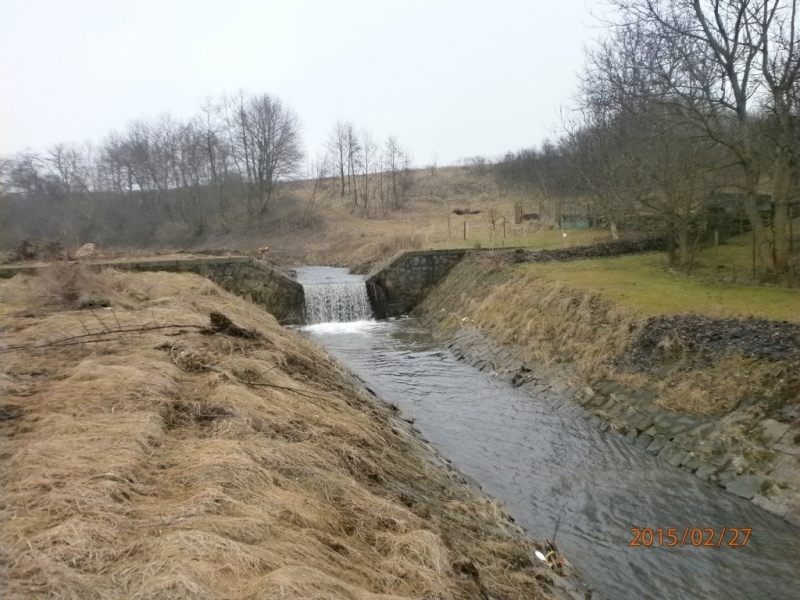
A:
(696, 536)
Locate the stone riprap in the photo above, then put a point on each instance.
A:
(241, 275)
(699, 339)
(767, 474)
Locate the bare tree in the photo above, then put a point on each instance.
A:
(368, 156)
(338, 151)
(265, 145)
(354, 152)
(713, 62)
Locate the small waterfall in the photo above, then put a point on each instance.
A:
(337, 303)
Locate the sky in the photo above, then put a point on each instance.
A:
(451, 79)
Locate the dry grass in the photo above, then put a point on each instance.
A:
(345, 237)
(172, 464)
(556, 314)
(732, 381)
(552, 322)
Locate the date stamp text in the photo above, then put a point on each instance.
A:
(694, 536)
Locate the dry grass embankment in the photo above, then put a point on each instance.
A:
(187, 462)
(587, 314)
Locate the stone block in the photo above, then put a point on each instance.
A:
(608, 404)
(643, 441)
(674, 455)
(772, 430)
(705, 472)
(773, 505)
(693, 462)
(641, 421)
(673, 425)
(746, 486)
(657, 444)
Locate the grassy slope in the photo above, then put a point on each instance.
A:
(172, 464)
(586, 314)
(643, 283)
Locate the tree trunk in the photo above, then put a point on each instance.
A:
(782, 176)
(762, 241)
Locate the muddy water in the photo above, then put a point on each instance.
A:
(542, 462)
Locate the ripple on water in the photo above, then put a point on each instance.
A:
(540, 462)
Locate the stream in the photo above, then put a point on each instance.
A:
(547, 467)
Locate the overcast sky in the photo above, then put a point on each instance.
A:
(451, 78)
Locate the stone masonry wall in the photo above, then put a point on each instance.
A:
(242, 275)
(400, 285)
(406, 280)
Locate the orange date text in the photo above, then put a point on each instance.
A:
(693, 536)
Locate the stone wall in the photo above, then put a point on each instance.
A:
(768, 474)
(241, 275)
(400, 285)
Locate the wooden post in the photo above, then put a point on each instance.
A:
(448, 227)
(716, 238)
(754, 253)
(504, 228)
(465, 230)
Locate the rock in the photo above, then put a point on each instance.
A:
(787, 445)
(643, 441)
(706, 472)
(723, 478)
(657, 444)
(793, 515)
(673, 454)
(772, 430)
(693, 462)
(673, 425)
(746, 486)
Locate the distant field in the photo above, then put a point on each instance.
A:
(517, 236)
(643, 283)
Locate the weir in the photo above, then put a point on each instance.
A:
(337, 303)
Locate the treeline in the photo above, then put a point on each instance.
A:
(173, 181)
(686, 107)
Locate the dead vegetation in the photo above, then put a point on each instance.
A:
(177, 459)
(562, 325)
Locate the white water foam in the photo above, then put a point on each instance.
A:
(337, 303)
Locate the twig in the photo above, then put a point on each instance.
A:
(268, 385)
(68, 341)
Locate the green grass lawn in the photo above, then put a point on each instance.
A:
(643, 283)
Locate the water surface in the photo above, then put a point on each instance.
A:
(542, 463)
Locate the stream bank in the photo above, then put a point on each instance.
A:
(183, 444)
(628, 373)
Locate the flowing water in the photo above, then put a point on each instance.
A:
(341, 302)
(542, 462)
